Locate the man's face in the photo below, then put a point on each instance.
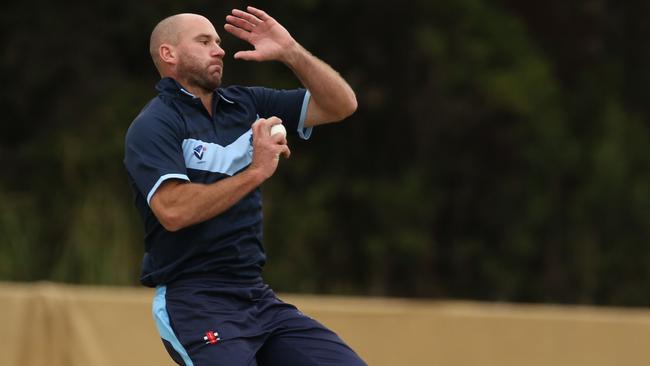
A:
(200, 55)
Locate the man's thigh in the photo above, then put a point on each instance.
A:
(305, 342)
(201, 326)
(234, 352)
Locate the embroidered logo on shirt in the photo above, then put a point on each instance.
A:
(198, 151)
(211, 337)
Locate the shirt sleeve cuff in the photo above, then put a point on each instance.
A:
(161, 180)
(304, 132)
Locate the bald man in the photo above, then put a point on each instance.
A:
(196, 156)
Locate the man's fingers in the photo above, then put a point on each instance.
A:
(265, 124)
(246, 55)
(273, 121)
(237, 32)
(246, 16)
(258, 13)
(279, 138)
(285, 151)
(269, 122)
(240, 23)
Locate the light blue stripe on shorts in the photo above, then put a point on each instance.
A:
(161, 318)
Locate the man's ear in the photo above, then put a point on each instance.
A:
(167, 53)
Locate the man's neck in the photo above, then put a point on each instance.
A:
(203, 94)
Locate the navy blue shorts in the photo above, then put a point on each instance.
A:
(206, 322)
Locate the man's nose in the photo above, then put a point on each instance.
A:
(218, 51)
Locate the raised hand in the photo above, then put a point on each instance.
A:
(269, 38)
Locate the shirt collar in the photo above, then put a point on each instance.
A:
(168, 85)
(220, 92)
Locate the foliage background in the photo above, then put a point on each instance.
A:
(500, 150)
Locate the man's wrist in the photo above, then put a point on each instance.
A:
(293, 54)
(254, 176)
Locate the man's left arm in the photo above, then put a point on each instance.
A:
(332, 99)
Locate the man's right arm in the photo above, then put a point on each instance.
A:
(179, 204)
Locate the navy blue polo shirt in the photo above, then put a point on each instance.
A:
(174, 137)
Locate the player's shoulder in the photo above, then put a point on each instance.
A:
(157, 108)
(236, 93)
(156, 116)
(251, 95)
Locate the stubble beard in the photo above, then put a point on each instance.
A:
(198, 75)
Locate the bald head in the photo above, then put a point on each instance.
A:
(169, 31)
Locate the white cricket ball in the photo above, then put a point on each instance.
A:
(279, 128)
